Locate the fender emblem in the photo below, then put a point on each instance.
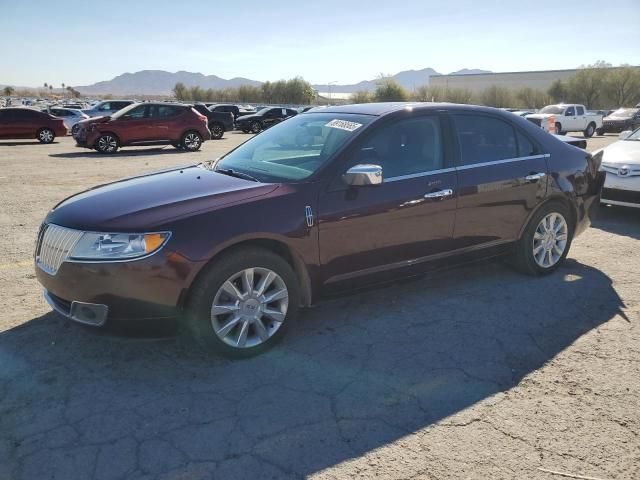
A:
(308, 213)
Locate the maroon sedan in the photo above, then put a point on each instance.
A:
(145, 124)
(29, 123)
(326, 201)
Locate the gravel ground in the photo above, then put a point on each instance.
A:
(478, 372)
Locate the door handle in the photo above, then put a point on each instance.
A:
(439, 194)
(534, 177)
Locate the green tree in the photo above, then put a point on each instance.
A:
(495, 96)
(361, 96)
(587, 85)
(388, 90)
(430, 93)
(622, 86)
(531, 98)
(557, 91)
(8, 91)
(180, 91)
(249, 94)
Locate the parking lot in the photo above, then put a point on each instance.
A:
(477, 372)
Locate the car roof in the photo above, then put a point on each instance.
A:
(379, 109)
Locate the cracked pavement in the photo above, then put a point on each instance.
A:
(477, 372)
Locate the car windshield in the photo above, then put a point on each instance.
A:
(295, 149)
(625, 112)
(124, 111)
(555, 109)
(262, 111)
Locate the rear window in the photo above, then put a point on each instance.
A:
(167, 111)
(484, 139)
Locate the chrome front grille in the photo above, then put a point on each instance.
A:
(55, 243)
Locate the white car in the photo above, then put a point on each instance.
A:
(71, 116)
(621, 161)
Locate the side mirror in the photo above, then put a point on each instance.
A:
(363, 175)
(624, 135)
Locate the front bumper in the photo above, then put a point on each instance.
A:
(622, 190)
(149, 288)
(615, 127)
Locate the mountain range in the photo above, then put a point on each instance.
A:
(160, 82)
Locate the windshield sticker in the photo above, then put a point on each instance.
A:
(344, 125)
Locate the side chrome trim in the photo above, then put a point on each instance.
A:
(417, 175)
(414, 261)
(499, 162)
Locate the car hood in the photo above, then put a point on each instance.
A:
(617, 119)
(149, 201)
(622, 152)
(541, 115)
(248, 118)
(90, 120)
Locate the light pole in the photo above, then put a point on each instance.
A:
(329, 85)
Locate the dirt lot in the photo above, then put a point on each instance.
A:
(476, 373)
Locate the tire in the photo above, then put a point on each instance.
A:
(245, 315)
(246, 130)
(107, 143)
(74, 130)
(590, 130)
(191, 141)
(217, 131)
(599, 132)
(45, 135)
(559, 129)
(256, 126)
(526, 259)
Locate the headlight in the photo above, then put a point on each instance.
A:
(118, 246)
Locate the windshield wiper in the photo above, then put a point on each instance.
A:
(235, 173)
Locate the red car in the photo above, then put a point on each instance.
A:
(145, 124)
(30, 123)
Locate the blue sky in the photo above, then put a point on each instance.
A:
(345, 41)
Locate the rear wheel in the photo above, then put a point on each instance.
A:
(191, 141)
(107, 143)
(244, 303)
(590, 130)
(217, 131)
(46, 135)
(546, 240)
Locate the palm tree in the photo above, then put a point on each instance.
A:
(62, 89)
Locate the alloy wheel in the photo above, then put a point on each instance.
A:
(46, 136)
(550, 240)
(216, 131)
(249, 307)
(192, 141)
(256, 127)
(107, 143)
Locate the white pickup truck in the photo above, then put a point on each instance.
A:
(568, 118)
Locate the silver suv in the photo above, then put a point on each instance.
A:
(107, 107)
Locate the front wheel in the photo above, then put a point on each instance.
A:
(74, 130)
(600, 132)
(244, 303)
(217, 131)
(589, 131)
(107, 143)
(558, 128)
(191, 141)
(256, 127)
(46, 135)
(546, 240)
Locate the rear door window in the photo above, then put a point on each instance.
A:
(484, 139)
(168, 111)
(580, 110)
